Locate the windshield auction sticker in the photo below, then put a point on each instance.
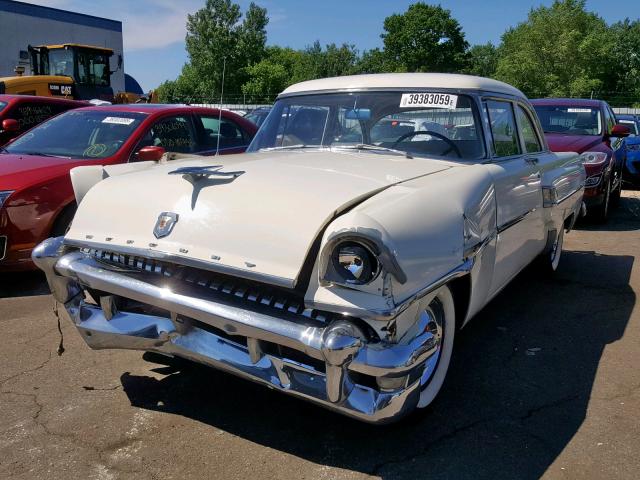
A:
(119, 120)
(579, 110)
(433, 100)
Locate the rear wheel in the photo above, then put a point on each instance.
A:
(439, 311)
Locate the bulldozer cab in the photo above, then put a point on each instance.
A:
(86, 67)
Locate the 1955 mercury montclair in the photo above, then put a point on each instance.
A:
(372, 218)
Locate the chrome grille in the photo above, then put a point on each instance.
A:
(234, 289)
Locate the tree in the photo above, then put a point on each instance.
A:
(483, 60)
(216, 34)
(424, 39)
(561, 50)
(623, 86)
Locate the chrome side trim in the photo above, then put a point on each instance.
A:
(515, 221)
(185, 261)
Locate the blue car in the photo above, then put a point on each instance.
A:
(631, 149)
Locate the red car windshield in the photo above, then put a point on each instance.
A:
(2, 105)
(79, 134)
(569, 120)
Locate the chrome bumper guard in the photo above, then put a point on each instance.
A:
(341, 345)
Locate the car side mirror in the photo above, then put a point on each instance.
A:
(620, 130)
(150, 153)
(10, 125)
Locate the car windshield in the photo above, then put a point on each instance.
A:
(569, 120)
(417, 123)
(633, 126)
(2, 105)
(79, 134)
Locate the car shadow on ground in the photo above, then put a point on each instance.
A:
(622, 218)
(517, 391)
(23, 284)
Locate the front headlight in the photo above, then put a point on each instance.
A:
(354, 263)
(633, 148)
(594, 158)
(4, 194)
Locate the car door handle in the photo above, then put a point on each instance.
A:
(531, 160)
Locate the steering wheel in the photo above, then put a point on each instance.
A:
(452, 146)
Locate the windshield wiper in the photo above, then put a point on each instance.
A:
(40, 154)
(290, 147)
(368, 146)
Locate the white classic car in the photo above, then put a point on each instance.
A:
(338, 258)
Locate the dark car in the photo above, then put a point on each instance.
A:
(258, 115)
(631, 152)
(19, 113)
(588, 127)
(36, 196)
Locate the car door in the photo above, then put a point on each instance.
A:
(517, 180)
(174, 133)
(220, 133)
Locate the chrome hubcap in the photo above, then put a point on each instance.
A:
(433, 319)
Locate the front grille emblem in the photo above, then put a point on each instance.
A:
(164, 224)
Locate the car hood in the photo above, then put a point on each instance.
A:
(259, 225)
(22, 171)
(572, 143)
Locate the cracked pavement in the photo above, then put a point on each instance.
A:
(545, 383)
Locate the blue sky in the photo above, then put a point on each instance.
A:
(154, 30)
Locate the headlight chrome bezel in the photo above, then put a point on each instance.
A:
(383, 261)
(354, 263)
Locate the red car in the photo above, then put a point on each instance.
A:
(588, 127)
(19, 113)
(36, 196)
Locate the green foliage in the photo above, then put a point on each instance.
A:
(425, 39)
(561, 50)
(483, 60)
(216, 34)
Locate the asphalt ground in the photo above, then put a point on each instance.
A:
(545, 383)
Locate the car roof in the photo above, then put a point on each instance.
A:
(150, 108)
(627, 116)
(34, 98)
(407, 81)
(568, 102)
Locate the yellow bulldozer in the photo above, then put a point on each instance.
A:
(70, 70)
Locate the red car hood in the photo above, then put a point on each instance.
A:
(22, 171)
(572, 143)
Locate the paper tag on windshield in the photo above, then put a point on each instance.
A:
(433, 100)
(119, 120)
(579, 110)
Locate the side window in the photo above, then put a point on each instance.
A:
(30, 114)
(528, 131)
(231, 135)
(609, 119)
(174, 134)
(503, 128)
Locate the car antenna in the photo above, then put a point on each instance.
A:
(224, 65)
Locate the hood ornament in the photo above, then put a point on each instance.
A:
(193, 174)
(201, 177)
(165, 223)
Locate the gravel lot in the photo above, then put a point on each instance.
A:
(546, 383)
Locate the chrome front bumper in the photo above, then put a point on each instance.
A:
(235, 340)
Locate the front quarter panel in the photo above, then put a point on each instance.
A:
(430, 224)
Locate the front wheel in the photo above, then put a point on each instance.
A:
(439, 311)
(601, 212)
